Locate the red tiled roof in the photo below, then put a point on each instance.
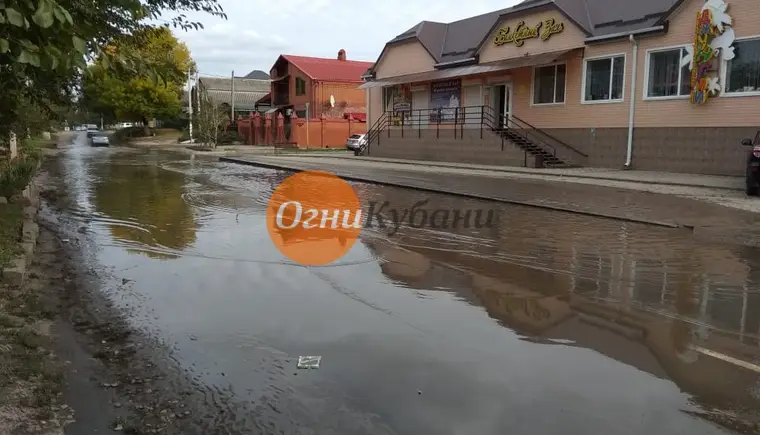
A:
(329, 69)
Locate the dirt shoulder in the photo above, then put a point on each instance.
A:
(70, 363)
(117, 378)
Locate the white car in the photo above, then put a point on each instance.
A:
(355, 142)
(99, 139)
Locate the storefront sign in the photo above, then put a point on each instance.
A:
(542, 30)
(402, 98)
(711, 38)
(445, 96)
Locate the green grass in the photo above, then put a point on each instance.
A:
(167, 132)
(40, 142)
(11, 219)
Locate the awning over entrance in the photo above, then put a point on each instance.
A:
(439, 74)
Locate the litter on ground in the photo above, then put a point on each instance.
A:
(309, 362)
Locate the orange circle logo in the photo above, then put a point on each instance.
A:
(314, 217)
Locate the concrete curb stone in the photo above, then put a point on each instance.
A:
(15, 274)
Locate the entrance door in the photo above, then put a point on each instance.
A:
(420, 105)
(507, 105)
(502, 104)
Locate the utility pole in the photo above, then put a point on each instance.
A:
(198, 92)
(232, 97)
(190, 103)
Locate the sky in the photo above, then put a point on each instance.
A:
(257, 31)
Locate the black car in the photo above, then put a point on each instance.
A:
(752, 177)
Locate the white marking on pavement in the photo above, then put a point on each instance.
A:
(728, 359)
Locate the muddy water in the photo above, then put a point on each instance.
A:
(543, 323)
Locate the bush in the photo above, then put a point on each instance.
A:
(15, 174)
(124, 134)
(228, 137)
(184, 136)
(175, 124)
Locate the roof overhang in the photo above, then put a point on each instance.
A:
(622, 35)
(279, 79)
(266, 99)
(462, 71)
(460, 62)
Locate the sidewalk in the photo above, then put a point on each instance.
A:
(649, 177)
(700, 209)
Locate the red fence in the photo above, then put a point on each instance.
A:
(316, 133)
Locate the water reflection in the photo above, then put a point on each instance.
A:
(542, 323)
(146, 207)
(651, 298)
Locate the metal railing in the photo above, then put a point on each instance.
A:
(448, 122)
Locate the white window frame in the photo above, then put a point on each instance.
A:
(383, 97)
(583, 81)
(724, 73)
(533, 85)
(646, 74)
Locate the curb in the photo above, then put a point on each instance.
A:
(15, 274)
(662, 224)
(512, 171)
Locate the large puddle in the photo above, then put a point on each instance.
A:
(544, 323)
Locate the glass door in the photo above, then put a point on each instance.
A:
(507, 108)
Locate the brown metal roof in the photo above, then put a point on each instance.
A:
(463, 71)
(241, 84)
(460, 40)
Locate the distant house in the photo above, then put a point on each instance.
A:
(242, 93)
(257, 74)
(329, 86)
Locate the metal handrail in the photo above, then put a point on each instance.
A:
(538, 130)
(444, 120)
(375, 130)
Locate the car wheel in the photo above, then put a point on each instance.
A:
(751, 187)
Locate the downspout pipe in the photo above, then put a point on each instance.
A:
(632, 97)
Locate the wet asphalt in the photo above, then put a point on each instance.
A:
(541, 322)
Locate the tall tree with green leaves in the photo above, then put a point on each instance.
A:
(139, 96)
(45, 44)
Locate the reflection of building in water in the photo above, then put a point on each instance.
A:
(648, 305)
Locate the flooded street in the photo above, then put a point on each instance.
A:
(545, 323)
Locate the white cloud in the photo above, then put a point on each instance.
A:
(257, 31)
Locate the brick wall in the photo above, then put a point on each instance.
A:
(708, 150)
(326, 133)
(466, 147)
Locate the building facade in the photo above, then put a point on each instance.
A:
(328, 87)
(240, 94)
(668, 85)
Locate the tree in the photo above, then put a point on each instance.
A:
(45, 44)
(135, 97)
(210, 119)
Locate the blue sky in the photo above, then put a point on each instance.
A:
(257, 31)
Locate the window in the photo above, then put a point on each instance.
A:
(300, 86)
(387, 99)
(666, 78)
(603, 79)
(743, 71)
(549, 84)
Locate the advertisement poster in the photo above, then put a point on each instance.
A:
(445, 96)
(401, 99)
